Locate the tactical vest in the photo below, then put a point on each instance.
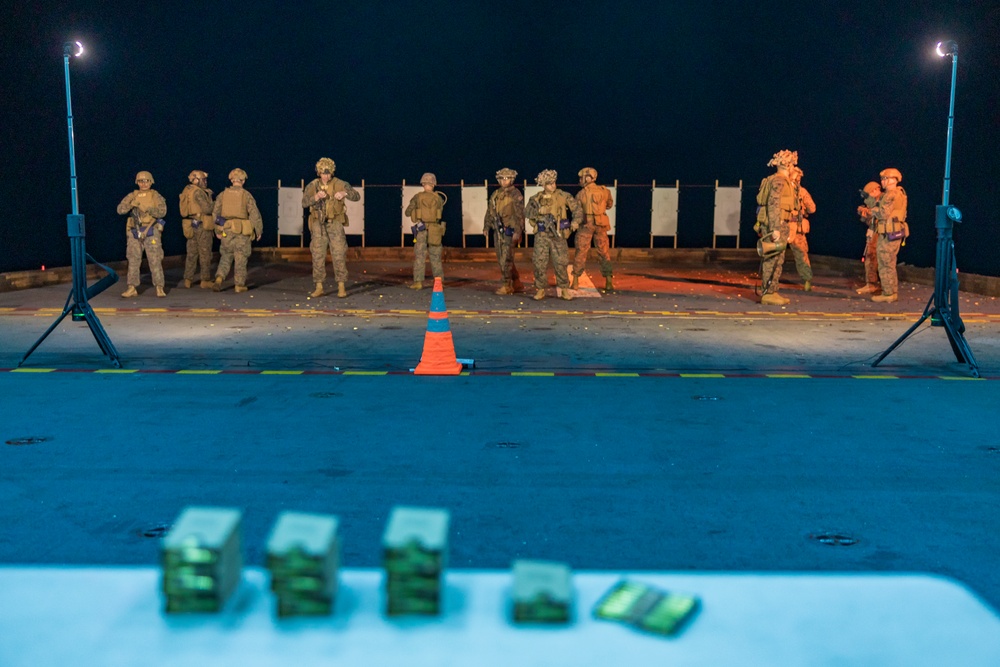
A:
(187, 207)
(895, 223)
(787, 204)
(555, 204)
(594, 200)
(234, 209)
(334, 209)
(145, 200)
(503, 204)
(429, 206)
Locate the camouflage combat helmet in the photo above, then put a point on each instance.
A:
(872, 189)
(237, 175)
(784, 158)
(197, 175)
(506, 172)
(546, 176)
(891, 173)
(325, 166)
(588, 170)
(428, 179)
(144, 176)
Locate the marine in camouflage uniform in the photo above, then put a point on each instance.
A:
(799, 227)
(547, 213)
(505, 217)
(324, 197)
(240, 223)
(425, 210)
(870, 193)
(595, 200)
(890, 229)
(145, 208)
(198, 226)
(776, 199)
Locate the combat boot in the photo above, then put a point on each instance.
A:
(187, 284)
(341, 290)
(807, 286)
(608, 285)
(565, 295)
(240, 288)
(159, 291)
(576, 282)
(217, 285)
(130, 292)
(417, 285)
(885, 298)
(539, 295)
(773, 299)
(506, 288)
(206, 284)
(867, 289)
(318, 291)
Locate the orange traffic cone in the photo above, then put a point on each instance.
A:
(439, 349)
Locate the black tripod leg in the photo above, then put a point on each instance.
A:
(66, 311)
(101, 337)
(960, 347)
(899, 341)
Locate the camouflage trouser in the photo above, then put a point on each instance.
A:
(800, 251)
(154, 255)
(199, 251)
(505, 256)
(584, 236)
(332, 235)
(234, 250)
(550, 247)
(886, 251)
(420, 252)
(770, 270)
(871, 260)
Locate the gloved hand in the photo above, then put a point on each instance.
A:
(775, 235)
(869, 234)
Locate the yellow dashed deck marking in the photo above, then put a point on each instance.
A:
(366, 372)
(616, 375)
(154, 310)
(532, 374)
(702, 375)
(116, 370)
(875, 377)
(954, 377)
(281, 372)
(198, 372)
(786, 375)
(32, 370)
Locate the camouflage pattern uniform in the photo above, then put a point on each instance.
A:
(547, 211)
(890, 219)
(595, 200)
(327, 219)
(871, 193)
(425, 210)
(198, 226)
(778, 194)
(797, 243)
(241, 223)
(145, 208)
(505, 216)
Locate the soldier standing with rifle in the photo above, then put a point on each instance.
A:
(237, 222)
(505, 216)
(871, 194)
(145, 208)
(324, 198)
(548, 212)
(776, 206)
(799, 227)
(198, 227)
(425, 210)
(595, 200)
(890, 228)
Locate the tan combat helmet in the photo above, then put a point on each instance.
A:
(325, 166)
(506, 172)
(237, 175)
(588, 170)
(891, 173)
(784, 158)
(872, 189)
(144, 176)
(428, 179)
(197, 175)
(546, 176)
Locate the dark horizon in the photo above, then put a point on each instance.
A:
(693, 93)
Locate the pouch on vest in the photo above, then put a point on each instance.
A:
(246, 227)
(804, 226)
(435, 233)
(187, 228)
(417, 227)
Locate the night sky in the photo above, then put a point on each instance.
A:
(641, 91)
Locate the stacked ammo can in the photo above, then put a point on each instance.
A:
(542, 592)
(201, 559)
(415, 554)
(303, 554)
